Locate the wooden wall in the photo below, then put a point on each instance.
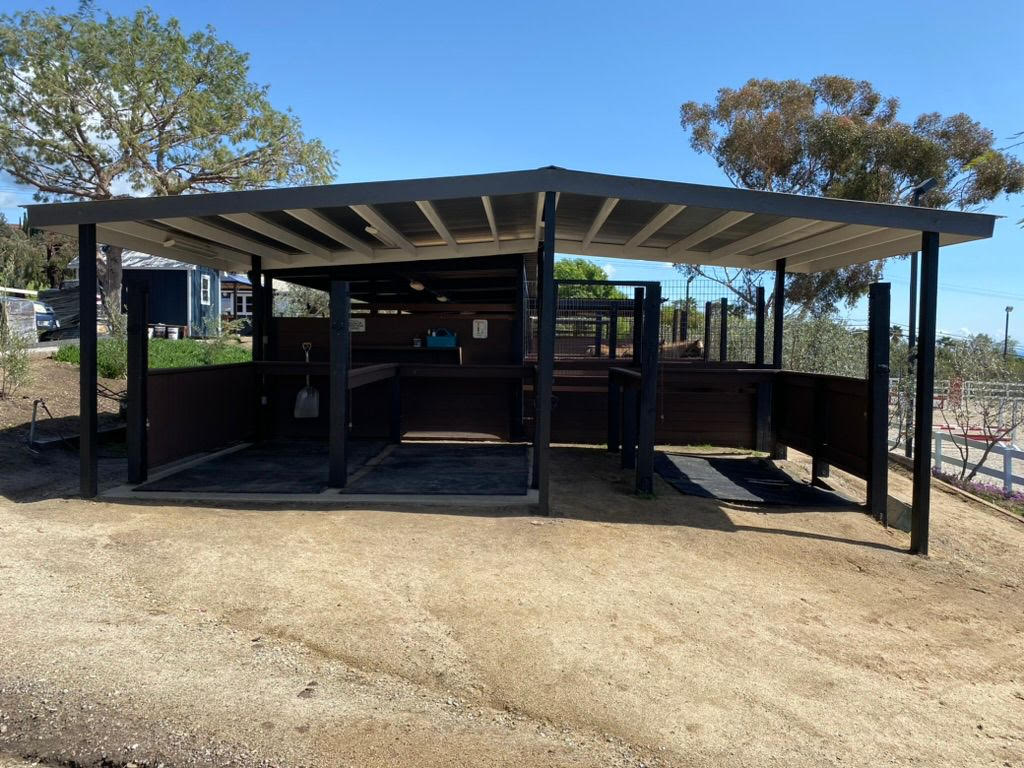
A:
(192, 410)
(824, 416)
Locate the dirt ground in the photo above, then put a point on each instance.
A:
(672, 631)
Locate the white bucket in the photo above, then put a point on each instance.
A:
(172, 333)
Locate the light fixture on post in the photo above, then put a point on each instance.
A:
(170, 242)
(416, 285)
(442, 298)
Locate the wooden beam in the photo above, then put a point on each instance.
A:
(274, 231)
(325, 226)
(489, 212)
(855, 245)
(602, 216)
(224, 237)
(766, 235)
(386, 231)
(88, 438)
(436, 222)
(831, 238)
(708, 231)
(155, 238)
(660, 219)
(538, 219)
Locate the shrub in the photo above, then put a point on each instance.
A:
(14, 370)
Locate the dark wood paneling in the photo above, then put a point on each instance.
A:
(842, 439)
(192, 410)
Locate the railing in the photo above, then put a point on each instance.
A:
(1007, 453)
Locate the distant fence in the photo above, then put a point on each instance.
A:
(1003, 456)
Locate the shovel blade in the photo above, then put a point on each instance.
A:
(307, 403)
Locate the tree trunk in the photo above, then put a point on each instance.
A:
(112, 276)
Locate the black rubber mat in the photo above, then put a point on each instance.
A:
(749, 480)
(436, 469)
(272, 466)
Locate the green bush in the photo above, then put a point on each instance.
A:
(163, 353)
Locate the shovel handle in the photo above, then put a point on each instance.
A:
(306, 346)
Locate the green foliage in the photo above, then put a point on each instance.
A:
(300, 301)
(163, 353)
(838, 137)
(93, 106)
(14, 368)
(584, 269)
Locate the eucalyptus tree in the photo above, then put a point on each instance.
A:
(839, 137)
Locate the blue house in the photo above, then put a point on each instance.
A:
(186, 296)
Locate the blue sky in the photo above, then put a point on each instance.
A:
(421, 89)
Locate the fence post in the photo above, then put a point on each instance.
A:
(938, 451)
(759, 311)
(614, 412)
(613, 334)
(723, 332)
(707, 331)
(598, 335)
(1007, 469)
(638, 324)
(675, 325)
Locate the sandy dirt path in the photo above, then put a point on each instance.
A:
(622, 632)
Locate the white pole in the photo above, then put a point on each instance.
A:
(938, 451)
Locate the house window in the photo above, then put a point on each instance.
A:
(243, 305)
(204, 290)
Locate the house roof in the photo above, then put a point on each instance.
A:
(502, 213)
(137, 260)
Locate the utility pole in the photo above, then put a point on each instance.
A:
(908, 444)
(1006, 334)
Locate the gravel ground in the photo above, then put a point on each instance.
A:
(622, 632)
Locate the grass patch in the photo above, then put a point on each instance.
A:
(163, 353)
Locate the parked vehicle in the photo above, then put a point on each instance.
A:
(46, 319)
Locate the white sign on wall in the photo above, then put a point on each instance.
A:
(479, 329)
(357, 325)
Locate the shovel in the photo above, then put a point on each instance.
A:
(307, 402)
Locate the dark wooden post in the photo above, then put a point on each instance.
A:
(778, 312)
(545, 357)
(675, 325)
(270, 349)
(340, 304)
(707, 330)
(723, 334)
(638, 324)
(759, 327)
(598, 335)
(614, 412)
(613, 334)
(684, 323)
(878, 400)
(629, 426)
(648, 390)
(88, 438)
(924, 404)
(138, 363)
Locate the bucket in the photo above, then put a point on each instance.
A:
(172, 332)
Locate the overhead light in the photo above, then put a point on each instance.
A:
(442, 298)
(416, 285)
(169, 242)
(372, 230)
